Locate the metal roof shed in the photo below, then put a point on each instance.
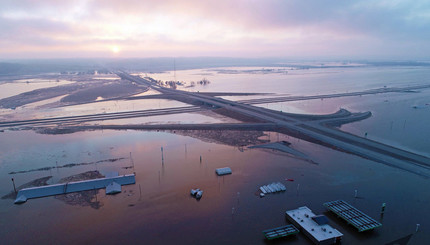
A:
(223, 171)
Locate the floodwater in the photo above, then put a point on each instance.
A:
(21, 86)
(394, 119)
(301, 81)
(158, 208)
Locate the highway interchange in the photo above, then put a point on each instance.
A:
(313, 128)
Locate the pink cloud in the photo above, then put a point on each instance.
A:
(222, 27)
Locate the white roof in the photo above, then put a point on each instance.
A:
(303, 216)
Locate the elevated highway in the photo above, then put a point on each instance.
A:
(313, 128)
(313, 131)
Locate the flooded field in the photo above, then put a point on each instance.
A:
(158, 209)
(11, 88)
(293, 81)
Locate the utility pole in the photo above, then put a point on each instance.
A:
(14, 188)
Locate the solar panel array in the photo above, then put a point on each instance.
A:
(282, 231)
(353, 216)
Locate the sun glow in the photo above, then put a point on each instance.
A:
(115, 49)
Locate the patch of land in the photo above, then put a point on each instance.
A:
(69, 165)
(227, 134)
(158, 127)
(226, 137)
(78, 92)
(82, 198)
(282, 146)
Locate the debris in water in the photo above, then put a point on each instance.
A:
(82, 198)
(197, 193)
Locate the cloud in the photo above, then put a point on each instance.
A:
(222, 27)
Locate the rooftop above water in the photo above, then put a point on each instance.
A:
(303, 216)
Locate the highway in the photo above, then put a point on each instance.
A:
(313, 128)
(268, 100)
(313, 131)
(100, 117)
(408, 89)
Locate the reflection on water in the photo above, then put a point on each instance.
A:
(37, 110)
(395, 121)
(183, 118)
(158, 208)
(303, 81)
(22, 86)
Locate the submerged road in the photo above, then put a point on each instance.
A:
(268, 100)
(100, 117)
(409, 89)
(313, 131)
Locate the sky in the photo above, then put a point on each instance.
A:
(378, 29)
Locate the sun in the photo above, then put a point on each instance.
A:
(115, 49)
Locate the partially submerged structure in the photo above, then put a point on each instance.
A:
(223, 171)
(272, 188)
(113, 188)
(279, 232)
(112, 184)
(316, 227)
(353, 216)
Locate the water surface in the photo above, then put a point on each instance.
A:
(158, 208)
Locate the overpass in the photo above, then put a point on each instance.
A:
(310, 130)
